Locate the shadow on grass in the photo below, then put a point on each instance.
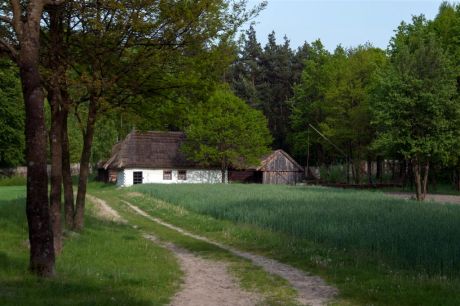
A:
(32, 291)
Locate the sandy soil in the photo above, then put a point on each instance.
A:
(439, 198)
(104, 211)
(206, 282)
(312, 290)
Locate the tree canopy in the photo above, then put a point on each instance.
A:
(416, 108)
(224, 131)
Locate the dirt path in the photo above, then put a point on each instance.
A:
(439, 198)
(104, 211)
(206, 282)
(312, 290)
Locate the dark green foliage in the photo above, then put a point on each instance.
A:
(264, 78)
(11, 116)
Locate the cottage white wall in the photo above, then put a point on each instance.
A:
(195, 176)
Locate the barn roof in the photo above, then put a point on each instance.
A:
(151, 149)
(275, 154)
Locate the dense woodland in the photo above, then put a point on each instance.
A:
(107, 67)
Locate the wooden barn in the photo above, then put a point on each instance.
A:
(276, 168)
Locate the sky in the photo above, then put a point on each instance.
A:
(346, 22)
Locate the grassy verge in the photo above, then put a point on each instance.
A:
(363, 273)
(275, 290)
(13, 181)
(108, 264)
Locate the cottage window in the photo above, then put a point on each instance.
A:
(182, 175)
(167, 175)
(137, 177)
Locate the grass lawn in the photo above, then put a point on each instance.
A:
(108, 264)
(376, 250)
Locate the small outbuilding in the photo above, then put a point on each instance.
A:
(276, 168)
(154, 157)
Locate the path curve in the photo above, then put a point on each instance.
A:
(104, 211)
(312, 290)
(206, 282)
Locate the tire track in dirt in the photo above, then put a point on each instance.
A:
(104, 211)
(206, 282)
(312, 290)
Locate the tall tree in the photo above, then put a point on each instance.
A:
(264, 78)
(333, 96)
(20, 40)
(446, 25)
(416, 106)
(246, 71)
(276, 87)
(225, 131)
(307, 103)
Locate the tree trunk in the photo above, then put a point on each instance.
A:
(223, 171)
(55, 101)
(425, 179)
(403, 172)
(69, 208)
(56, 168)
(458, 178)
(42, 258)
(84, 165)
(417, 178)
(379, 174)
(393, 170)
(369, 171)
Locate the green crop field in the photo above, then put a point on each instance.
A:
(376, 249)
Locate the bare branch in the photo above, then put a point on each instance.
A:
(6, 20)
(8, 48)
(53, 2)
(16, 5)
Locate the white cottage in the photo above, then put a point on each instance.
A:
(154, 157)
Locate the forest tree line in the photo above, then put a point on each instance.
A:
(363, 104)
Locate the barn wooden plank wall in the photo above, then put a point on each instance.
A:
(280, 168)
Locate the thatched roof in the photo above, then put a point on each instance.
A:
(152, 150)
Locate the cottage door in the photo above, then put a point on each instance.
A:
(137, 177)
